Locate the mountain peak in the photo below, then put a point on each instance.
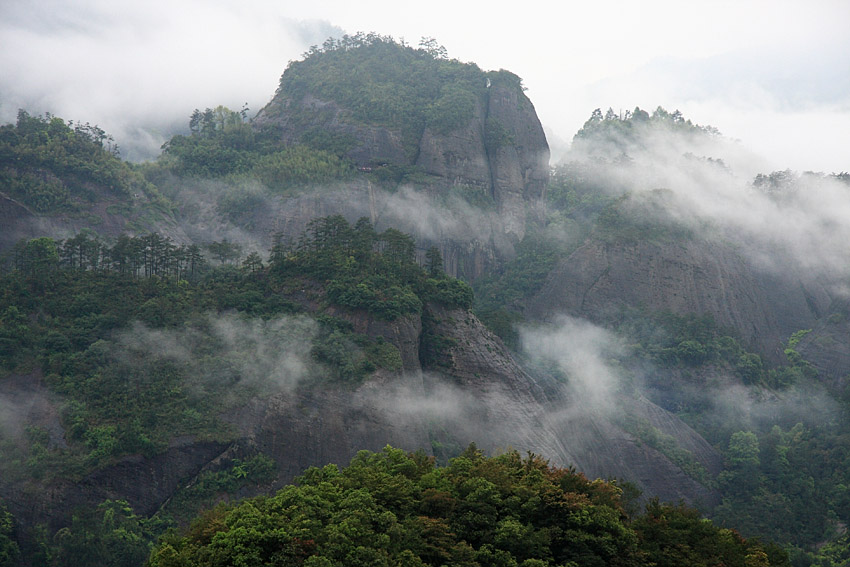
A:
(386, 103)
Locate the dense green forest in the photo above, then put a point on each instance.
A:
(392, 508)
(82, 313)
(62, 304)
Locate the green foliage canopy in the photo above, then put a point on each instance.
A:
(362, 269)
(614, 136)
(50, 165)
(392, 508)
(388, 83)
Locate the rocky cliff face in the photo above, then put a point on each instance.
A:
(827, 347)
(687, 276)
(500, 153)
(472, 241)
(520, 166)
(510, 409)
(370, 143)
(459, 158)
(473, 391)
(17, 221)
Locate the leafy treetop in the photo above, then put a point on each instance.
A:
(616, 134)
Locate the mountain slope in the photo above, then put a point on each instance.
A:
(661, 329)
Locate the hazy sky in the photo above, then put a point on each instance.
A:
(773, 73)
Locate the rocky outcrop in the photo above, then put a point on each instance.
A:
(500, 154)
(16, 220)
(499, 405)
(459, 158)
(473, 391)
(370, 143)
(470, 240)
(520, 165)
(827, 347)
(317, 427)
(403, 333)
(504, 407)
(485, 179)
(686, 276)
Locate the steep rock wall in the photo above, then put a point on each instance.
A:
(371, 142)
(687, 276)
(520, 165)
(512, 171)
(510, 410)
(470, 240)
(459, 158)
(108, 215)
(16, 220)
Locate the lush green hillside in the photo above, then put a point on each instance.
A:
(138, 336)
(222, 144)
(63, 304)
(54, 166)
(391, 508)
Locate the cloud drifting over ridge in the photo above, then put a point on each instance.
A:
(270, 356)
(791, 104)
(584, 353)
(139, 69)
(798, 227)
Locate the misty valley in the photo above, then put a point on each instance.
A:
(373, 324)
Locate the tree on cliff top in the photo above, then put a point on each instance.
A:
(614, 135)
(388, 83)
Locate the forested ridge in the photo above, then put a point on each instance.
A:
(69, 309)
(392, 508)
(51, 165)
(63, 302)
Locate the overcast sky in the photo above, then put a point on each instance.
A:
(773, 73)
